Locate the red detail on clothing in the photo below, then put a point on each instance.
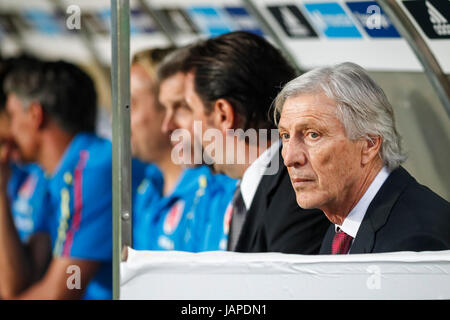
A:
(341, 243)
(227, 218)
(78, 202)
(27, 188)
(173, 217)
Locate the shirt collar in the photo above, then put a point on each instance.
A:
(254, 173)
(71, 155)
(353, 220)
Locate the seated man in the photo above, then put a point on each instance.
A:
(172, 202)
(27, 183)
(229, 84)
(343, 154)
(52, 107)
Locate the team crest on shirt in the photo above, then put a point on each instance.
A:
(227, 219)
(27, 188)
(173, 217)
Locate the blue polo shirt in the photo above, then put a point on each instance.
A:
(216, 212)
(81, 195)
(189, 219)
(27, 188)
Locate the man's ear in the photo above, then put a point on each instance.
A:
(224, 116)
(37, 115)
(370, 149)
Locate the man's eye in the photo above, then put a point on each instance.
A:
(284, 136)
(313, 135)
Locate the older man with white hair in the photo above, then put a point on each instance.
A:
(343, 155)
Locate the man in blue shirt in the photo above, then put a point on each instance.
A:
(190, 218)
(173, 204)
(52, 107)
(27, 184)
(214, 206)
(81, 190)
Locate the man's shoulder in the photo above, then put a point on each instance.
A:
(94, 154)
(422, 210)
(413, 217)
(417, 198)
(88, 162)
(100, 147)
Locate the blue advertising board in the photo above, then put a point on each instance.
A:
(373, 19)
(45, 22)
(210, 20)
(243, 20)
(331, 19)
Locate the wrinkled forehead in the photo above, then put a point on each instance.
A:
(304, 108)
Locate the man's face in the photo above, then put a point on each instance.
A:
(183, 107)
(23, 129)
(322, 162)
(147, 140)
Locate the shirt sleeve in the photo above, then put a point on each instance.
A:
(42, 209)
(89, 235)
(18, 176)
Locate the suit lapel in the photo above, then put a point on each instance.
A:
(260, 202)
(327, 240)
(379, 210)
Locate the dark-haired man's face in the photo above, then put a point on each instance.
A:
(206, 134)
(23, 128)
(180, 117)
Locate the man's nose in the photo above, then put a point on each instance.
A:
(294, 154)
(168, 124)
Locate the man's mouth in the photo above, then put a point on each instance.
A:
(299, 182)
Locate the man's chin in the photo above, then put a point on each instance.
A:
(215, 168)
(17, 156)
(191, 165)
(305, 202)
(134, 151)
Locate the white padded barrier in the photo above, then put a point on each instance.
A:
(257, 276)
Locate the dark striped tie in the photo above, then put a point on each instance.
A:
(237, 218)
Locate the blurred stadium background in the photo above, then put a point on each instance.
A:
(310, 32)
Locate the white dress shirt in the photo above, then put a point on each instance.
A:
(254, 173)
(352, 222)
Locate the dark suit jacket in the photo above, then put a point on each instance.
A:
(403, 216)
(275, 222)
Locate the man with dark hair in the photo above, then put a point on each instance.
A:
(169, 208)
(52, 107)
(230, 83)
(27, 183)
(23, 193)
(208, 220)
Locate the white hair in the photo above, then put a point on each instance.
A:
(361, 105)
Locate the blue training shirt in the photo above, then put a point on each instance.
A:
(27, 188)
(81, 195)
(191, 218)
(216, 212)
